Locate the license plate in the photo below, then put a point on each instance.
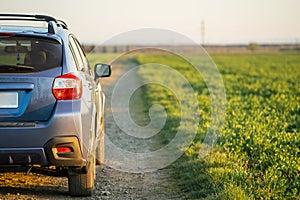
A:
(9, 100)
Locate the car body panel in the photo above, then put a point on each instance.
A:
(36, 102)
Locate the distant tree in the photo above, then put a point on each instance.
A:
(127, 48)
(88, 48)
(104, 49)
(115, 49)
(253, 46)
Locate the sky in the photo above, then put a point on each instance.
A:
(224, 21)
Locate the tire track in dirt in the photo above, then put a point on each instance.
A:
(123, 185)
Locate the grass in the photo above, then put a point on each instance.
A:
(257, 156)
(106, 58)
(258, 152)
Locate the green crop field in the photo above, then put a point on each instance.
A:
(257, 155)
(100, 58)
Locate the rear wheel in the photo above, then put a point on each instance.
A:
(100, 147)
(82, 183)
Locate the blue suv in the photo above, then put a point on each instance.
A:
(51, 102)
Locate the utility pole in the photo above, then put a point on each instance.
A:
(203, 31)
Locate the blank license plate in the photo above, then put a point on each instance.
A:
(9, 100)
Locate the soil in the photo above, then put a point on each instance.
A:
(110, 183)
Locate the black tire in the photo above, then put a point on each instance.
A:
(82, 184)
(100, 147)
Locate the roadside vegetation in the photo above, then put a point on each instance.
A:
(100, 58)
(258, 153)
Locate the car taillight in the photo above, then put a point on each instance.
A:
(67, 87)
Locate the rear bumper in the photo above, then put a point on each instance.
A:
(28, 145)
(73, 158)
(17, 156)
(47, 156)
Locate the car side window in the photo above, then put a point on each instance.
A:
(76, 54)
(83, 57)
(82, 62)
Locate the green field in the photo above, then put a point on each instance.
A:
(100, 58)
(257, 155)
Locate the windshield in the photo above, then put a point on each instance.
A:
(18, 55)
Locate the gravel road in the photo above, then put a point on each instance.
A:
(110, 183)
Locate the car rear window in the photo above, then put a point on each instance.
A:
(28, 55)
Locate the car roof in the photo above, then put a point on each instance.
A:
(24, 29)
(30, 32)
(54, 29)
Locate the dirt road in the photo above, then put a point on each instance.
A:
(110, 183)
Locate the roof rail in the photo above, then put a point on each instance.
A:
(53, 23)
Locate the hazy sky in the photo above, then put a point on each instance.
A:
(226, 21)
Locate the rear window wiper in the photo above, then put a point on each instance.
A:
(15, 67)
